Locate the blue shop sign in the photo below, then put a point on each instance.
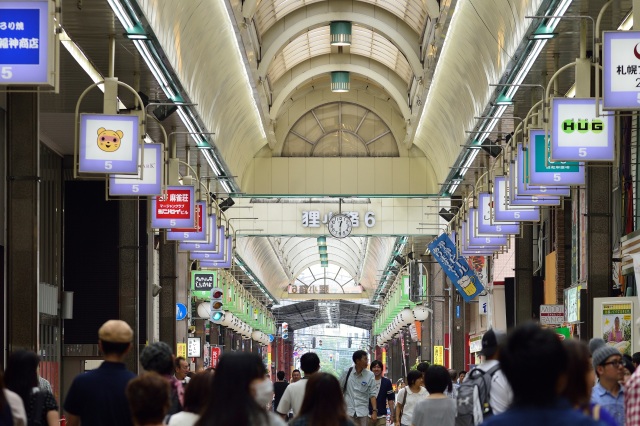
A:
(456, 267)
(26, 42)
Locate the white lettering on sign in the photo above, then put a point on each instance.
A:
(312, 218)
(19, 43)
(551, 314)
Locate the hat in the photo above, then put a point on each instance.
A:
(157, 357)
(596, 343)
(601, 354)
(491, 340)
(115, 331)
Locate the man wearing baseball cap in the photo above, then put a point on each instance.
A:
(97, 397)
(501, 395)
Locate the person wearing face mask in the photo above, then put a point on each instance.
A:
(240, 392)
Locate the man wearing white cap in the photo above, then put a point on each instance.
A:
(97, 398)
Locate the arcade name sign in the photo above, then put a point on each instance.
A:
(314, 219)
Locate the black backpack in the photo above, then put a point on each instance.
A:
(480, 380)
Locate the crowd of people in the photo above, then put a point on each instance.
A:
(527, 378)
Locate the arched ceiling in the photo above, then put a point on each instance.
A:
(277, 261)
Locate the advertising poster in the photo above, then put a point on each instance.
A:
(617, 326)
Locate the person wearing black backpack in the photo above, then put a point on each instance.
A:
(485, 391)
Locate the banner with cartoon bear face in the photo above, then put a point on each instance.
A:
(109, 144)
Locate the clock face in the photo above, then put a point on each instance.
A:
(340, 225)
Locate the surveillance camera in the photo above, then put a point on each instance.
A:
(155, 290)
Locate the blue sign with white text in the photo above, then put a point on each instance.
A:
(456, 267)
(27, 52)
(19, 36)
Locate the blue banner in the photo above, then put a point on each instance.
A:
(456, 267)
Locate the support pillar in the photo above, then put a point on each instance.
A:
(23, 225)
(168, 281)
(524, 274)
(128, 276)
(599, 187)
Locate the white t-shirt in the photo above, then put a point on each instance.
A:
(410, 403)
(183, 418)
(500, 396)
(17, 408)
(292, 397)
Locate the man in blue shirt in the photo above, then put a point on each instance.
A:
(608, 392)
(385, 394)
(97, 398)
(358, 386)
(534, 362)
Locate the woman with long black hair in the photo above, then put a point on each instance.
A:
(21, 377)
(240, 391)
(323, 403)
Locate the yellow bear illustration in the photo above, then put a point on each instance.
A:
(109, 140)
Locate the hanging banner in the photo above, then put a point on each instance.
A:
(540, 170)
(27, 43)
(109, 144)
(483, 302)
(198, 233)
(175, 208)
(523, 189)
(621, 70)
(485, 218)
(501, 209)
(456, 267)
(577, 134)
(148, 181)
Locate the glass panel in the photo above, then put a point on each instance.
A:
(328, 146)
(338, 136)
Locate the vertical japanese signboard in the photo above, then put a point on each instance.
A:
(175, 208)
(27, 43)
(215, 356)
(109, 143)
(577, 134)
(438, 355)
(456, 267)
(621, 69)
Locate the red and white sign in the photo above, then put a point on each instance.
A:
(174, 209)
(215, 356)
(551, 314)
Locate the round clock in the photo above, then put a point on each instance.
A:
(340, 226)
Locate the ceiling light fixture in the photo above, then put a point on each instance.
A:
(340, 82)
(340, 33)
